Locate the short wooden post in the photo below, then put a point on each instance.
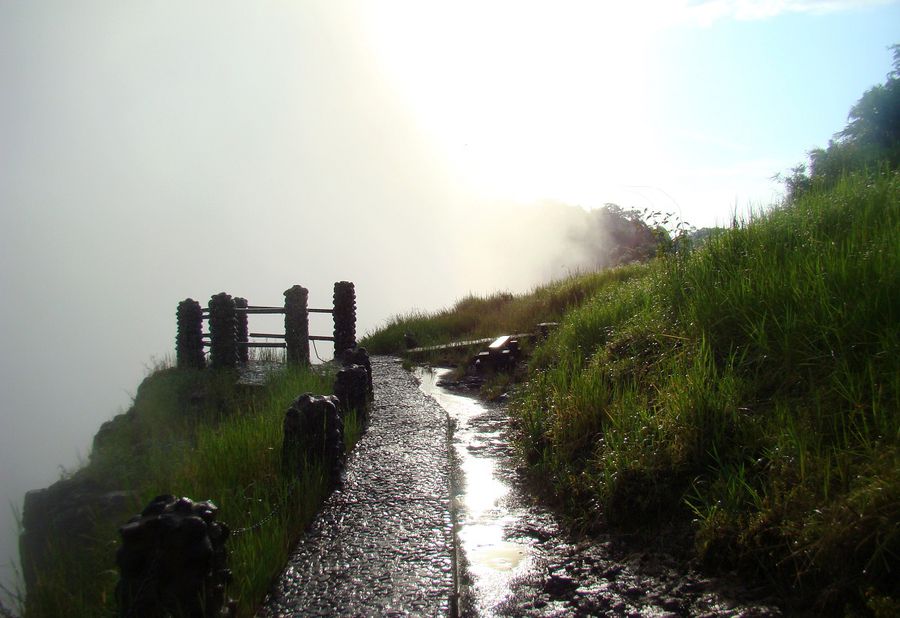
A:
(296, 324)
(222, 332)
(242, 333)
(344, 317)
(189, 337)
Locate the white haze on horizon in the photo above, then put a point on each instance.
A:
(145, 161)
(154, 151)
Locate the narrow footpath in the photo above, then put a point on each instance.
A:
(383, 543)
(389, 541)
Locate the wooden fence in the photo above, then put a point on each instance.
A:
(229, 339)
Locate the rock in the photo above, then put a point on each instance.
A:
(65, 512)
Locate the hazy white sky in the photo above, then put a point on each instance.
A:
(151, 151)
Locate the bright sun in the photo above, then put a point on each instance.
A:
(527, 101)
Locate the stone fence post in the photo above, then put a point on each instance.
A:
(189, 337)
(351, 389)
(243, 350)
(173, 562)
(223, 351)
(296, 324)
(313, 433)
(344, 317)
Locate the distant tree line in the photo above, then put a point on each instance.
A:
(870, 141)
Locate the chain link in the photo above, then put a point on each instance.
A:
(270, 515)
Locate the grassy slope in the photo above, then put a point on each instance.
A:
(195, 434)
(751, 386)
(502, 313)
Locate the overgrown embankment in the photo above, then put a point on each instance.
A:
(190, 433)
(750, 386)
(475, 317)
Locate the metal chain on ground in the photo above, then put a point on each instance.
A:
(270, 515)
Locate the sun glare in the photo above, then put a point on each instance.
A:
(526, 101)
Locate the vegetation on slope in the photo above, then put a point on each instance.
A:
(475, 317)
(750, 387)
(193, 433)
(756, 382)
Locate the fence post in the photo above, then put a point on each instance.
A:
(222, 332)
(242, 332)
(344, 317)
(313, 432)
(173, 562)
(296, 324)
(189, 337)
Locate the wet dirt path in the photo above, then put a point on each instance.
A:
(390, 542)
(515, 560)
(382, 543)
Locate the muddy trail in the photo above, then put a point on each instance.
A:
(433, 518)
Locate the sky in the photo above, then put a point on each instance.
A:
(154, 151)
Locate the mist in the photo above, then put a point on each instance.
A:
(149, 156)
(151, 152)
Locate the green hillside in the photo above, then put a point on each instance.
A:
(747, 390)
(189, 433)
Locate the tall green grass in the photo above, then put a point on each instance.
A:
(750, 388)
(476, 317)
(756, 382)
(196, 434)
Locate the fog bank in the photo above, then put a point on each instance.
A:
(151, 152)
(150, 156)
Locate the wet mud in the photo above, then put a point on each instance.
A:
(515, 559)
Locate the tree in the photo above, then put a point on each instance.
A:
(870, 139)
(875, 119)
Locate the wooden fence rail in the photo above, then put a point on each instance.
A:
(228, 337)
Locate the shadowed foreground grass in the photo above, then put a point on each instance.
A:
(750, 388)
(196, 434)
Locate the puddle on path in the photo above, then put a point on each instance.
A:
(515, 560)
(484, 514)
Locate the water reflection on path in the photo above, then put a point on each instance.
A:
(490, 560)
(514, 559)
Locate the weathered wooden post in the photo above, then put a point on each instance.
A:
(344, 317)
(296, 324)
(223, 351)
(242, 333)
(189, 337)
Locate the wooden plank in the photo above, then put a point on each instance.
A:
(499, 343)
(320, 338)
(462, 344)
(450, 346)
(267, 335)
